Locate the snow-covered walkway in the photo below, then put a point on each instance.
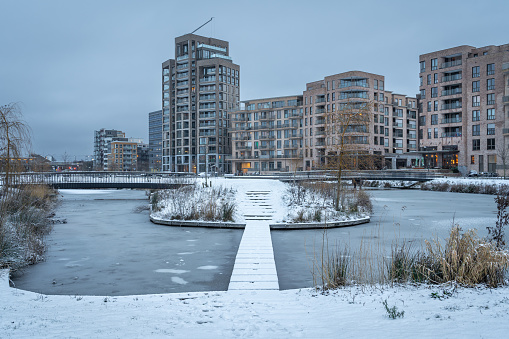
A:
(255, 268)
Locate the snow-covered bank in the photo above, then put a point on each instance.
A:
(345, 313)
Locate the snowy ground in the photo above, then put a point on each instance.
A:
(346, 313)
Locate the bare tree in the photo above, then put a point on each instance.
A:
(503, 154)
(347, 133)
(14, 139)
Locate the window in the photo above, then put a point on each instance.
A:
(476, 130)
(429, 106)
(423, 93)
(429, 79)
(435, 133)
(491, 84)
(476, 115)
(491, 113)
(476, 86)
(476, 100)
(491, 129)
(472, 159)
(422, 65)
(375, 84)
(490, 69)
(476, 145)
(491, 99)
(434, 119)
(476, 72)
(420, 81)
(491, 144)
(435, 78)
(435, 107)
(434, 92)
(429, 133)
(434, 64)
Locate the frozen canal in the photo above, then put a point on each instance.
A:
(106, 248)
(407, 215)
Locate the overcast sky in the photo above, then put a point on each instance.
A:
(78, 66)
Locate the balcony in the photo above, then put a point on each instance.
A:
(451, 64)
(451, 134)
(208, 79)
(450, 120)
(183, 57)
(320, 110)
(452, 105)
(320, 99)
(221, 56)
(452, 91)
(453, 77)
(214, 48)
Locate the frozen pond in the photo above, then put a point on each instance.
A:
(407, 215)
(106, 248)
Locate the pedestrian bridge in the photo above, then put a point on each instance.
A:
(92, 180)
(393, 175)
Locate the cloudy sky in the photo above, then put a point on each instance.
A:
(78, 66)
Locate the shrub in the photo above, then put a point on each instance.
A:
(497, 233)
(393, 311)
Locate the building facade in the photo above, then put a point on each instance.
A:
(267, 135)
(122, 156)
(199, 87)
(155, 140)
(102, 139)
(296, 132)
(464, 93)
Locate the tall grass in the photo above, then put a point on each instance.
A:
(24, 223)
(195, 203)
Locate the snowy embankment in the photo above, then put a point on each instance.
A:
(351, 312)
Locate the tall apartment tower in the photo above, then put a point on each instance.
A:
(155, 140)
(463, 121)
(200, 86)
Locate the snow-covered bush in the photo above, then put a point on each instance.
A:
(193, 202)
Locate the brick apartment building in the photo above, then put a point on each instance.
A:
(199, 87)
(290, 133)
(464, 93)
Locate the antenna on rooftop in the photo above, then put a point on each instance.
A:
(202, 25)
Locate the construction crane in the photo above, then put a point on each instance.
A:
(202, 25)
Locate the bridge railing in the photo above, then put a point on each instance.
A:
(98, 177)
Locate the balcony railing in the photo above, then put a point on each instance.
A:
(451, 92)
(451, 134)
(215, 48)
(452, 105)
(183, 57)
(451, 64)
(451, 77)
(451, 120)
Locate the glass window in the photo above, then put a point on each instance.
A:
(434, 119)
(435, 78)
(429, 106)
(434, 92)
(491, 113)
(429, 133)
(429, 79)
(476, 145)
(491, 99)
(434, 64)
(490, 69)
(476, 130)
(472, 159)
(490, 84)
(420, 81)
(422, 65)
(476, 100)
(491, 129)
(423, 93)
(490, 145)
(476, 72)
(435, 107)
(476, 115)
(476, 86)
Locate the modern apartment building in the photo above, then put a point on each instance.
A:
(155, 140)
(267, 135)
(199, 87)
(122, 156)
(102, 139)
(464, 93)
(293, 133)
